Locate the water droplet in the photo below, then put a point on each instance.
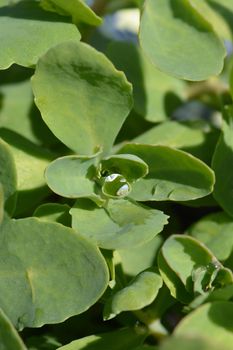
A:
(123, 191)
(116, 186)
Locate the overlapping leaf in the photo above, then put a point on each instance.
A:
(81, 97)
(24, 24)
(120, 224)
(56, 272)
(77, 9)
(173, 24)
(173, 174)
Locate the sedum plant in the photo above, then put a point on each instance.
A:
(116, 200)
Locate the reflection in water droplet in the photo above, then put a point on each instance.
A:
(123, 191)
(115, 185)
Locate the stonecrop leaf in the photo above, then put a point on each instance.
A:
(211, 322)
(9, 338)
(183, 43)
(185, 261)
(156, 94)
(215, 231)
(128, 165)
(71, 177)
(30, 161)
(8, 177)
(77, 9)
(223, 156)
(27, 32)
(83, 99)
(139, 293)
(54, 212)
(173, 174)
(125, 338)
(56, 272)
(120, 224)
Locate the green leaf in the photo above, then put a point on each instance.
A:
(215, 231)
(126, 339)
(71, 177)
(173, 174)
(223, 8)
(156, 94)
(184, 259)
(222, 157)
(121, 224)
(190, 343)
(173, 24)
(187, 137)
(77, 9)
(8, 177)
(9, 338)
(56, 272)
(75, 87)
(135, 260)
(211, 322)
(30, 161)
(139, 293)
(26, 23)
(130, 166)
(1, 203)
(18, 106)
(54, 212)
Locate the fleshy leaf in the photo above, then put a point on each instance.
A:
(185, 259)
(129, 165)
(173, 23)
(139, 293)
(40, 255)
(26, 23)
(54, 212)
(72, 177)
(173, 174)
(222, 157)
(215, 231)
(77, 9)
(120, 224)
(8, 177)
(156, 94)
(9, 338)
(76, 87)
(126, 339)
(187, 137)
(135, 260)
(211, 322)
(190, 343)
(30, 161)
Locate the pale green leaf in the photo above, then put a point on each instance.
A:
(139, 293)
(9, 338)
(55, 272)
(183, 43)
(222, 158)
(210, 322)
(27, 32)
(72, 177)
(127, 339)
(135, 260)
(156, 94)
(8, 176)
(77, 9)
(215, 231)
(54, 212)
(31, 162)
(121, 224)
(173, 174)
(76, 87)
(190, 343)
